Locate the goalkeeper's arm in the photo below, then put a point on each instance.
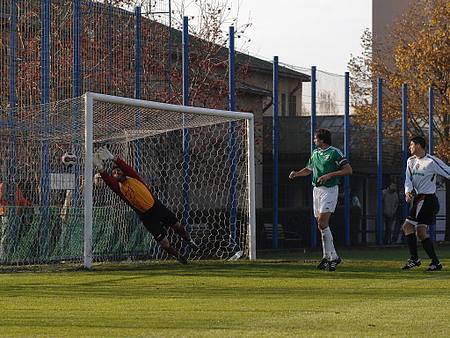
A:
(127, 169)
(104, 154)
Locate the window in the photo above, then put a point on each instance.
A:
(292, 105)
(283, 104)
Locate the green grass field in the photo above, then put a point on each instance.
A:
(279, 295)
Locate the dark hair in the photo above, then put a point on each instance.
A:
(419, 140)
(324, 135)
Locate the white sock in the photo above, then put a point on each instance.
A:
(327, 243)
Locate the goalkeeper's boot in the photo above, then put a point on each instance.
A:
(411, 263)
(323, 264)
(182, 259)
(434, 267)
(334, 263)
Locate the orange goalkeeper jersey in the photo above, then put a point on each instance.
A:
(137, 194)
(133, 190)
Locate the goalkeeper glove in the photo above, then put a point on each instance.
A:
(105, 154)
(97, 161)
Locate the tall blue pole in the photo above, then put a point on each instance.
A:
(347, 155)
(137, 52)
(12, 59)
(45, 99)
(76, 91)
(12, 104)
(232, 139)
(432, 228)
(186, 136)
(169, 58)
(110, 50)
(430, 120)
(137, 81)
(275, 147)
(379, 219)
(404, 142)
(11, 232)
(45, 52)
(312, 145)
(76, 41)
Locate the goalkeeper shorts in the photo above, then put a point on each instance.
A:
(157, 219)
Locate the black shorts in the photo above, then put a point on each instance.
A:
(424, 209)
(157, 220)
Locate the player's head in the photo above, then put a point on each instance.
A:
(118, 174)
(322, 137)
(417, 145)
(392, 186)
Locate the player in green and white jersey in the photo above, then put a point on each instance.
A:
(327, 164)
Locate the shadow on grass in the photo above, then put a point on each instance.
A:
(358, 264)
(209, 280)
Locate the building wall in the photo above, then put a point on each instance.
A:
(260, 107)
(384, 14)
(287, 86)
(256, 105)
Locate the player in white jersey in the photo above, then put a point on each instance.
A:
(420, 189)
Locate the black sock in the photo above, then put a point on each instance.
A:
(181, 231)
(412, 246)
(429, 249)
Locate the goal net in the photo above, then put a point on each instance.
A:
(198, 162)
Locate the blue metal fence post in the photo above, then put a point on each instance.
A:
(430, 120)
(312, 146)
(11, 178)
(169, 58)
(109, 38)
(379, 218)
(45, 99)
(232, 139)
(45, 52)
(275, 147)
(347, 155)
(186, 136)
(76, 41)
(404, 143)
(432, 228)
(76, 92)
(137, 52)
(12, 59)
(137, 82)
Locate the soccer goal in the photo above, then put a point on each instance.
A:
(199, 162)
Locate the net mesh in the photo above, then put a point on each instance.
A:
(204, 183)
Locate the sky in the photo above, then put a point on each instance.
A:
(322, 33)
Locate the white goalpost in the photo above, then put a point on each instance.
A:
(199, 163)
(145, 127)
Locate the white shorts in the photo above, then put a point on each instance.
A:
(324, 199)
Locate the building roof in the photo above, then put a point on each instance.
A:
(254, 63)
(266, 67)
(252, 89)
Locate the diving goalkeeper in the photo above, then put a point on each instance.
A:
(131, 188)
